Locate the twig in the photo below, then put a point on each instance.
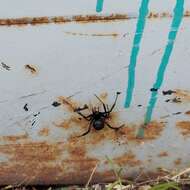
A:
(181, 173)
(90, 178)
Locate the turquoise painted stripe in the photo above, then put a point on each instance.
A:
(143, 11)
(177, 19)
(99, 5)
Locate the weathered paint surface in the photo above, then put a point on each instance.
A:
(56, 57)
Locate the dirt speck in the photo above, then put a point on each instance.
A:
(31, 68)
(163, 154)
(177, 161)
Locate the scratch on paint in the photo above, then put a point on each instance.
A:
(143, 12)
(177, 19)
(99, 5)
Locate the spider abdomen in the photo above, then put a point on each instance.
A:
(98, 124)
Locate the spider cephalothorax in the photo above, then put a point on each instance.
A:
(98, 119)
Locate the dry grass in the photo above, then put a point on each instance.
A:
(177, 181)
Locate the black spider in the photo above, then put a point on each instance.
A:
(97, 118)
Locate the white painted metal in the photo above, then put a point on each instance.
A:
(80, 59)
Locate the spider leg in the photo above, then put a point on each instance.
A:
(81, 109)
(118, 93)
(108, 110)
(115, 128)
(89, 128)
(88, 118)
(101, 102)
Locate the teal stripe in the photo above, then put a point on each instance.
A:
(99, 5)
(143, 11)
(177, 19)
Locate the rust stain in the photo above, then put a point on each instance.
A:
(73, 121)
(68, 103)
(128, 133)
(163, 154)
(93, 35)
(187, 13)
(111, 34)
(187, 112)
(77, 152)
(28, 173)
(62, 19)
(97, 137)
(17, 21)
(95, 18)
(184, 127)
(177, 161)
(76, 149)
(185, 94)
(104, 96)
(14, 138)
(32, 68)
(127, 159)
(44, 132)
(78, 18)
(153, 15)
(42, 163)
(39, 20)
(125, 135)
(31, 151)
(108, 176)
(181, 96)
(151, 131)
(42, 173)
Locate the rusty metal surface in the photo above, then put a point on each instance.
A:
(81, 18)
(50, 70)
